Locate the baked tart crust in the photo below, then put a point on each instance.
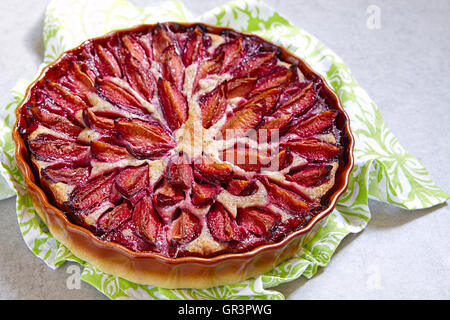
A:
(182, 155)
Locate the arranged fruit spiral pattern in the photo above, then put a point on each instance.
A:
(182, 142)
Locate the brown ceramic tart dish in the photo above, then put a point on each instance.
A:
(182, 155)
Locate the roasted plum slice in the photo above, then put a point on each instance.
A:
(166, 195)
(298, 103)
(138, 49)
(195, 47)
(80, 79)
(285, 198)
(140, 78)
(284, 113)
(55, 122)
(111, 220)
(184, 228)
(207, 67)
(314, 125)
(132, 180)
(244, 120)
(249, 66)
(52, 149)
(270, 97)
(242, 187)
(127, 235)
(213, 105)
(213, 171)
(240, 87)
(276, 79)
(232, 54)
(106, 63)
(146, 219)
(144, 139)
(42, 100)
(174, 104)
(311, 176)
(94, 192)
(184, 141)
(246, 158)
(203, 194)
(258, 221)
(172, 67)
(68, 175)
(100, 124)
(221, 225)
(116, 93)
(313, 149)
(162, 39)
(106, 152)
(69, 102)
(179, 173)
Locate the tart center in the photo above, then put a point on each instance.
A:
(193, 139)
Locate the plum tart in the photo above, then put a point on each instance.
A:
(182, 145)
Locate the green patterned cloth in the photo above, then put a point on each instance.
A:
(383, 170)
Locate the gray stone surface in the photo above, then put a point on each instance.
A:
(404, 66)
